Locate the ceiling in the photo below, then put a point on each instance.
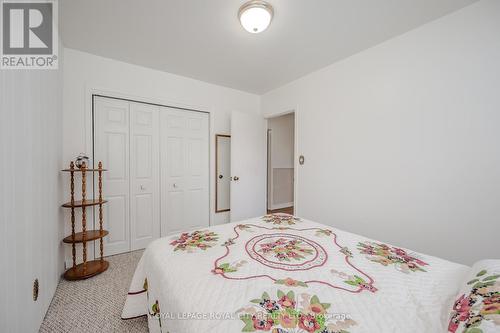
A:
(203, 39)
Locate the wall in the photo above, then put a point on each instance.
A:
(30, 213)
(281, 161)
(401, 141)
(84, 72)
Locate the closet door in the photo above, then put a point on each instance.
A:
(184, 162)
(111, 146)
(144, 175)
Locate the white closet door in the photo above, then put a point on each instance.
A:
(111, 146)
(184, 161)
(144, 175)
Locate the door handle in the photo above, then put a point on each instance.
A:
(143, 187)
(221, 176)
(236, 178)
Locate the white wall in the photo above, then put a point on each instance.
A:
(401, 141)
(281, 161)
(84, 72)
(30, 213)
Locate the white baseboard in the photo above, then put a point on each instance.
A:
(283, 205)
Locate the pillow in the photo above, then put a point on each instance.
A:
(477, 306)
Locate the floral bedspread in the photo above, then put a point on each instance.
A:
(283, 274)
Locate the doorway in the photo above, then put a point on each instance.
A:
(281, 164)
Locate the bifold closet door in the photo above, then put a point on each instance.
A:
(111, 146)
(144, 175)
(126, 140)
(184, 163)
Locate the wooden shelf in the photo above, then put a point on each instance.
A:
(92, 268)
(86, 170)
(87, 268)
(91, 235)
(86, 203)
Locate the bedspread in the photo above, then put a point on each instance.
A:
(283, 274)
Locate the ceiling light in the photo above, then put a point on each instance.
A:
(255, 16)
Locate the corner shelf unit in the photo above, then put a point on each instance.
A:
(87, 268)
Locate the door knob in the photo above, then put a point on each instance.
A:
(221, 176)
(143, 187)
(236, 178)
(174, 185)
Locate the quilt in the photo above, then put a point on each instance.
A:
(283, 274)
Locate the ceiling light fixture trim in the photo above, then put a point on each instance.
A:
(255, 16)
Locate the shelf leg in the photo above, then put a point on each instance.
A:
(101, 242)
(84, 217)
(73, 246)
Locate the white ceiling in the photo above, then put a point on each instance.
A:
(202, 39)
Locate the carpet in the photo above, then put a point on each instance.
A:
(95, 304)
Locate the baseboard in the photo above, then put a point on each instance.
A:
(281, 206)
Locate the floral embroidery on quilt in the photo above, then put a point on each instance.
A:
(324, 232)
(389, 255)
(480, 307)
(289, 282)
(345, 251)
(228, 267)
(243, 226)
(280, 219)
(155, 308)
(293, 258)
(354, 280)
(287, 313)
(286, 249)
(195, 240)
(155, 312)
(229, 242)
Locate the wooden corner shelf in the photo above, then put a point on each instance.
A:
(86, 203)
(86, 269)
(90, 236)
(81, 170)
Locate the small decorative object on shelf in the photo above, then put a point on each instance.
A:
(81, 160)
(87, 268)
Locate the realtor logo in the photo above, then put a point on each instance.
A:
(29, 35)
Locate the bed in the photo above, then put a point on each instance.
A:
(283, 274)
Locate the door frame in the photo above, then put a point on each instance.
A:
(216, 173)
(295, 156)
(89, 123)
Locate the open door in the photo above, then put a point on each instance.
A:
(248, 166)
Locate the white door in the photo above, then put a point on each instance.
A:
(111, 146)
(144, 175)
(184, 164)
(248, 166)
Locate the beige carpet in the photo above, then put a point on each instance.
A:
(95, 305)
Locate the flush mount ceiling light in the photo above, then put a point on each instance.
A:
(255, 16)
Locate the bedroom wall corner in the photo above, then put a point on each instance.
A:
(31, 225)
(401, 140)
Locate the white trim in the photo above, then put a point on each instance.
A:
(296, 161)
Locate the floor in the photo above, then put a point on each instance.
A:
(95, 305)
(287, 210)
